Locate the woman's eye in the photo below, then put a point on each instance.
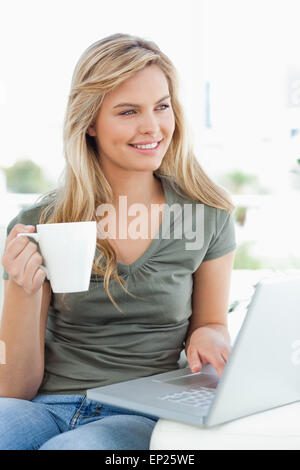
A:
(132, 111)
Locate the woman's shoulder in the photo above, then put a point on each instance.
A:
(178, 195)
(214, 217)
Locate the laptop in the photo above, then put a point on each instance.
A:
(262, 371)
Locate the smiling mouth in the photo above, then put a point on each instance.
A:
(149, 146)
(146, 150)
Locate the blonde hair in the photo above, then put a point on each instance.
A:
(103, 66)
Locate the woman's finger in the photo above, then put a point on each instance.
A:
(218, 362)
(18, 228)
(225, 352)
(194, 360)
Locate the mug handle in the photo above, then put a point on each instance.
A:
(35, 236)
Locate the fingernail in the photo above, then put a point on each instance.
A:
(28, 227)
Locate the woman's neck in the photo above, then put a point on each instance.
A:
(143, 189)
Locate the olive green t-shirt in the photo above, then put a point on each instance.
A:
(89, 343)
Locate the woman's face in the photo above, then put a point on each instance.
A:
(138, 111)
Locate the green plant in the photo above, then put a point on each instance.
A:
(243, 258)
(240, 215)
(25, 176)
(238, 182)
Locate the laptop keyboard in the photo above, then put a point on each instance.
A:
(194, 397)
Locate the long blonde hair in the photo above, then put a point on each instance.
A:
(83, 187)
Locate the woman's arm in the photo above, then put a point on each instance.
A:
(208, 339)
(22, 331)
(25, 310)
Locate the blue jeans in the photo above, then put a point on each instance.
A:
(72, 422)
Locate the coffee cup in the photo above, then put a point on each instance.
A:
(68, 250)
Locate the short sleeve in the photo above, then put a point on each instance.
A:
(224, 240)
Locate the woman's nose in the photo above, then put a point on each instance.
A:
(148, 124)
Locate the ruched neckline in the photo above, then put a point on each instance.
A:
(131, 268)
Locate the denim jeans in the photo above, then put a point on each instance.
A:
(72, 422)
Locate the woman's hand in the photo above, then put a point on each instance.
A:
(207, 345)
(22, 261)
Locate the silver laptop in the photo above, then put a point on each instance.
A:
(262, 371)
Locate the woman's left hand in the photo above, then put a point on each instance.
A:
(207, 345)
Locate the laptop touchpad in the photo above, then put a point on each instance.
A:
(194, 380)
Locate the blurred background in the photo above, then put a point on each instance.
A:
(239, 65)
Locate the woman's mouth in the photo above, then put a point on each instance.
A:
(147, 149)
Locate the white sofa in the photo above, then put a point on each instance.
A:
(277, 429)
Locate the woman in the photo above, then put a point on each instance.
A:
(149, 297)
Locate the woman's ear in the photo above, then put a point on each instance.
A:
(91, 131)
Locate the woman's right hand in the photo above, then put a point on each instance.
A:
(22, 261)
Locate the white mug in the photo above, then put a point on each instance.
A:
(68, 250)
